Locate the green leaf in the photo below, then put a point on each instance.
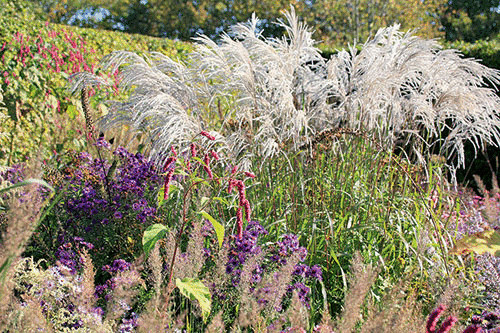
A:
(195, 289)
(161, 194)
(28, 181)
(479, 243)
(221, 200)
(219, 228)
(151, 235)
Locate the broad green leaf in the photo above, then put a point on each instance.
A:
(28, 181)
(479, 243)
(219, 228)
(194, 289)
(151, 235)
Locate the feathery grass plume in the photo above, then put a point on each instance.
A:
(125, 289)
(195, 249)
(361, 281)
(153, 319)
(399, 312)
(279, 92)
(22, 220)
(28, 317)
(297, 315)
(216, 325)
(86, 299)
(402, 86)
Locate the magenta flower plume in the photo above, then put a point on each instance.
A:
(239, 222)
(171, 160)
(249, 174)
(166, 186)
(193, 150)
(206, 167)
(473, 329)
(230, 186)
(448, 324)
(241, 190)
(248, 210)
(433, 318)
(207, 135)
(214, 155)
(234, 170)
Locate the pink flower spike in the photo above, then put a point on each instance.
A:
(166, 186)
(234, 170)
(239, 222)
(173, 151)
(214, 155)
(433, 319)
(230, 186)
(249, 174)
(207, 135)
(248, 210)
(448, 324)
(171, 160)
(473, 329)
(193, 150)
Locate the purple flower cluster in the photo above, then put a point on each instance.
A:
(242, 248)
(246, 246)
(489, 322)
(129, 325)
(119, 265)
(68, 254)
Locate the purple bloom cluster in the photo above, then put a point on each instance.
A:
(128, 325)
(489, 322)
(246, 246)
(68, 254)
(242, 248)
(119, 265)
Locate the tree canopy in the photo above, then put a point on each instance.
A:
(336, 22)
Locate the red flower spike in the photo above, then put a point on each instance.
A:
(173, 151)
(169, 162)
(207, 135)
(214, 155)
(239, 222)
(249, 174)
(448, 324)
(473, 329)
(193, 150)
(166, 186)
(248, 210)
(433, 319)
(230, 186)
(234, 170)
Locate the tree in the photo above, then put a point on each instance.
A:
(471, 20)
(338, 22)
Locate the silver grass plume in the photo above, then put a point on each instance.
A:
(279, 93)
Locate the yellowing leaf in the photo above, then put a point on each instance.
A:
(194, 289)
(151, 235)
(219, 228)
(487, 241)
